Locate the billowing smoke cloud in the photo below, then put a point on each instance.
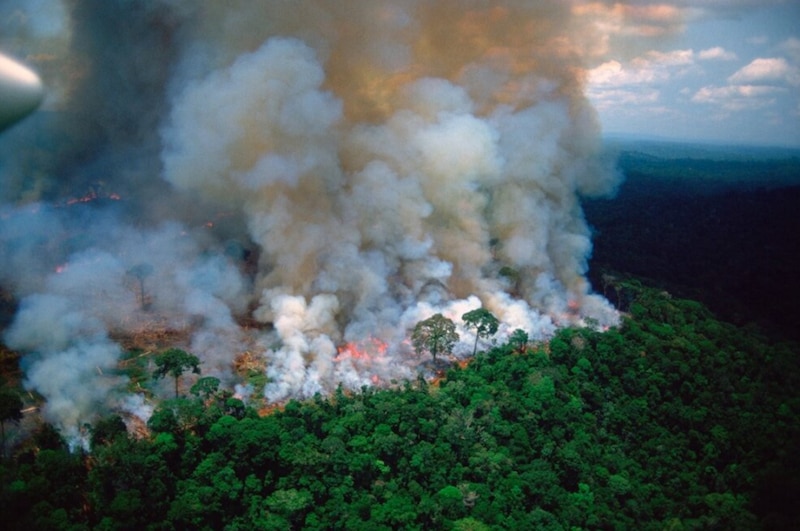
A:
(336, 171)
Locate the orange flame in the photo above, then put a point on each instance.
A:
(363, 351)
(93, 196)
(362, 354)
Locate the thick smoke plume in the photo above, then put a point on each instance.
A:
(336, 171)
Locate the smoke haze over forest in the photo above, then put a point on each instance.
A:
(335, 171)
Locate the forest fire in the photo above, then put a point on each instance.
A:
(365, 180)
(367, 356)
(320, 212)
(93, 196)
(364, 351)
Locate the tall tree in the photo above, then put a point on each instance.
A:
(484, 323)
(205, 387)
(175, 362)
(435, 334)
(519, 340)
(10, 409)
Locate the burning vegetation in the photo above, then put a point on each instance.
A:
(287, 193)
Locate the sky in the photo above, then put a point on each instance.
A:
(716, 71)
(712, 70)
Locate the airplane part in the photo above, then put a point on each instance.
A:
(21, 91)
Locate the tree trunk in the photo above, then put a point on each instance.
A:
(142, 304)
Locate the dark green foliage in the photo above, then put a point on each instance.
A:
(46, 437)
(106, 430)
(484, 323)
(673, 421)
(10, 410)
(175, 362)
(205, 387)
(10, 406)
(45, 492)
(436, 334)
(743, 264)
(518, 340)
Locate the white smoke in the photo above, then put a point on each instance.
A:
(72, 360)
(337, 171)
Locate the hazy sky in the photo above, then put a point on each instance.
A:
(718, 70)
(708, 70)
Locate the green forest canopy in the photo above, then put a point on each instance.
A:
(673, 421)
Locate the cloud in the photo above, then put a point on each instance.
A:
(766, 71)
(654, 66)
(608, 99)
(673, 58)
(615, 87)
(717, 53)
(759, 84)
(654, 20)
(628, 80)
(612, 73)
(738, 97)
(726, 9)
(625, 29)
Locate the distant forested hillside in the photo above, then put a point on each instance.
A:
(723, 231)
